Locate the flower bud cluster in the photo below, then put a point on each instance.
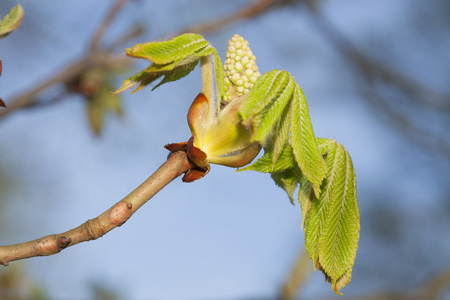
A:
(240, 68)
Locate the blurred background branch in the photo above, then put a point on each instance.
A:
(253, 10)
(72, 76)
(374, 77)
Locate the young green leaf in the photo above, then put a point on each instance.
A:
(331, 222)
(285, 171)
(288, 180)
(274, 101)
(305, 197)
(281, 134)
(178, 73)
(266, 119)
(11, 21)
(265, 89)
(173, 59)
(142, 79)
(285, 161)
(171, 72)
(166, 52)
(304, 142)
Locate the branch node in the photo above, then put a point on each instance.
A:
(63, 242)
(94, 228)
(47, 246)
(120, 213)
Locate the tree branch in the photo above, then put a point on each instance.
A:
(92, 229)
(112, 13)
(252, 10)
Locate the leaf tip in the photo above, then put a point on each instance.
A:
(292, 201)
(11, 21)
(118, 91)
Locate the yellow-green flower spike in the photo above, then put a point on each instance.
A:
(240, 68)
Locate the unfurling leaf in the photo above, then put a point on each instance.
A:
(167, 52)
(264, 164)
(304, 142)
(288, 180)
(331, 222)
(173, 59)
(285, 171)
(178, 72)
(277, 109)
(11, 21)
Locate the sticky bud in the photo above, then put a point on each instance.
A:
(225, 142)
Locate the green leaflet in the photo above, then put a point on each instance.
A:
(304, 142)
(178, 73)
(266, 119)
(276, 106)
(264, 90)
(173, 59)
(281, 134)
(142, 79)
(285, 171)
(11, 21)
(264, 164)
(288, 180)
(166, 52)
(331, 222)
(305, 196)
